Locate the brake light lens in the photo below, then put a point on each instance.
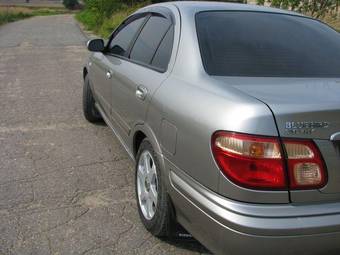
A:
(305, 164)
(257, 162)
(250, 161)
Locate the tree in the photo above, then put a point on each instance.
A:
(314, 8)
(70, 4)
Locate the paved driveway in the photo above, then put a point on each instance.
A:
(66, 186)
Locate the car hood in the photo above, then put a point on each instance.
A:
(306, 108)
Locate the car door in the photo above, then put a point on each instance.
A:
(98, 77)
(137, 76)
(102, 72)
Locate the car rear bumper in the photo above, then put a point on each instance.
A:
(229, 227)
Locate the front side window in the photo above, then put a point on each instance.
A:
(150, 39)
(121, 41)
(241, 43)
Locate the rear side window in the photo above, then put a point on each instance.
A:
(150, 39)
(267, 45)
(163, 53)
(120, 43)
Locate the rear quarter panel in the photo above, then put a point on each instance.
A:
(196, 113)
(197, 106)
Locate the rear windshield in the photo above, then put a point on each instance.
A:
(238, 43)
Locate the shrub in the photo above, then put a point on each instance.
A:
(71, 4)
(103, 16)
(6, 17)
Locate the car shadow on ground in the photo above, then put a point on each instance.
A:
(183, 240)
(191, 245)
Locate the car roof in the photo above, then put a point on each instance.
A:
(199, 6)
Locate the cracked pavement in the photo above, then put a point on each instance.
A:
(66, 186)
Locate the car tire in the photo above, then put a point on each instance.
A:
(90, 112)
(160, 220)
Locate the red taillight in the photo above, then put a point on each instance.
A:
(258, 162)
(250, 161)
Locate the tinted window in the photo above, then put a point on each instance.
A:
(121, 41)
(149, 39)
(264, 44)
(163, 53)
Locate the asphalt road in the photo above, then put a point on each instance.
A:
(66, 186)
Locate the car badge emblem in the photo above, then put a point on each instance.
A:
(304, 127)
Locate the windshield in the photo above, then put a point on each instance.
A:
(241, 43)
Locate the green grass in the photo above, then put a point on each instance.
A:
(49, 11)
(89, 19)
(10, 17)
(14, 13)
(103, 26)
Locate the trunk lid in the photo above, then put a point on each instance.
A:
(303, 108)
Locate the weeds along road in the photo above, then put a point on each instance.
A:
(66, 186)
(35, 3)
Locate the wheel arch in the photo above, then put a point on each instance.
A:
(139, 133)
(139, 136)
(85, 72)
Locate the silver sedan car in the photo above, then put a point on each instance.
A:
(231, 114)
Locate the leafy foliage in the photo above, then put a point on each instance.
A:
(103, 8)
(70, 4)
(314, 8)
(103, 16)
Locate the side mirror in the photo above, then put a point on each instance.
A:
(96, 45)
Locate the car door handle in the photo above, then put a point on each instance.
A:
(108, 74)
(141, 92)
